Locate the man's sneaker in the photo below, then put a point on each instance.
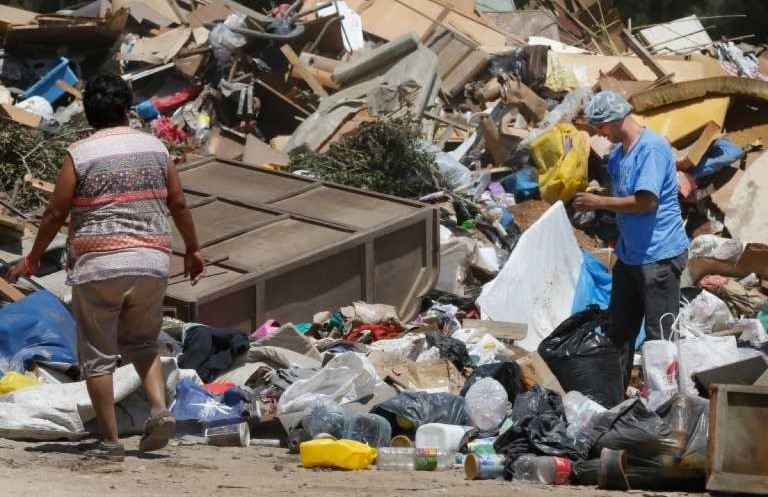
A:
(159, 429)
(105, 451)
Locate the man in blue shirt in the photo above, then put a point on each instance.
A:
(653, 248)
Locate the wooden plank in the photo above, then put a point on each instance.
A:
(737, 459)
(38, 184)
(501, 330)
(308, 77)
(641, 52)
(465, 71)
(703, 142)
(10, 291)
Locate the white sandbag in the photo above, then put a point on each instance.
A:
(537, 284)
(702, 353)
(346, 378)
(60, 411)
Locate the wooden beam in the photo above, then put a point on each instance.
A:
(306, 74)
(641, 52)
(10, 291)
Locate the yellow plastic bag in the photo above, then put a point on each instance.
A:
(13, 381)
(343, 454)
(560, 155)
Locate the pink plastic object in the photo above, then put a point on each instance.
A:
(266, 329)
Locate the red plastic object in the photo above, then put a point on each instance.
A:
(166, 105)
(164, 128)
(219, 387)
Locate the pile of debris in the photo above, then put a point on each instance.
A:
(311, 138)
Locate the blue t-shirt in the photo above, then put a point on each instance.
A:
(659, 234)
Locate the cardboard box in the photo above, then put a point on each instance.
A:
(536, 372)
(754, 259)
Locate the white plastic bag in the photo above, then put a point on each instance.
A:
(346, 378)
(704, 314)
(659, 362)
(702, 353)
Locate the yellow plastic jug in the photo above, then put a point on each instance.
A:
(343, 454)
(13, 381)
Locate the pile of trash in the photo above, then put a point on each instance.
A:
(475, 111)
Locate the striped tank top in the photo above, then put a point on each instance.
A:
(119, 220)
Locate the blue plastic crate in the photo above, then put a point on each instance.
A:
(47, 88)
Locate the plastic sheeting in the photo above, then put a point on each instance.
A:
(410, 410)
(538, 283)
(346, 378)
(594, 285)
(38, 328)
(60, 410)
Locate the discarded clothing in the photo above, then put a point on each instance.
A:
(211, 351)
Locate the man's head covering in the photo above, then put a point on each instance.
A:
(606, 107)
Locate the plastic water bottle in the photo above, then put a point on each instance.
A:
(396, 459)
(486, 404)
(203, 128)
(580, 412)
(542, 469)
(371, 429)
(324, 417)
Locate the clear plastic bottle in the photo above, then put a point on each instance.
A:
(324, 416)
(396, 458)
(542, 469)
(434, 459)
(486, 404)
(203, 129)
(580, 412)
(367, 428)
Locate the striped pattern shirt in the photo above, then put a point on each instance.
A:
(119, 221)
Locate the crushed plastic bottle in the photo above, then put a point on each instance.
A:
(548, 470)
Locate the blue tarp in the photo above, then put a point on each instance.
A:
(594, 285)
(196, 405)
(38, 328)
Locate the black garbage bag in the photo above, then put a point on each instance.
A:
(507, 373)
(450, 348)
(420, 408)
(537, 402)
(584, 359)
(539, 427)
(630, 426)
(642, 474)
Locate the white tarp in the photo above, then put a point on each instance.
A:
(537, 284)
(55, 411)
(346, 378)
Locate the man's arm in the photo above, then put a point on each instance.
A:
(639, 203)
(182, 218)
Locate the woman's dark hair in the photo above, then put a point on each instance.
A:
(107, 98)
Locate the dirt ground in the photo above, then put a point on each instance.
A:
(57, 470)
